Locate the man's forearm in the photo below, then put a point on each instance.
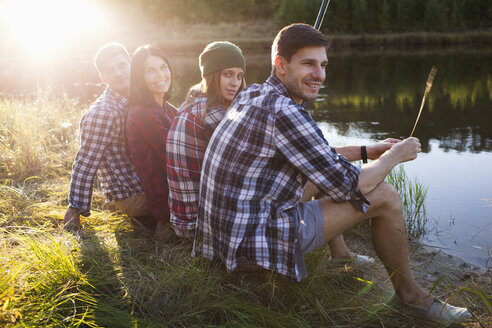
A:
(352, 153)
(373, 173)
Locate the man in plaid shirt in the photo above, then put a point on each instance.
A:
(268, 149)
(102, 144)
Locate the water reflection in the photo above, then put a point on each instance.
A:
(379, 94)
(458, 198)
(382, 94)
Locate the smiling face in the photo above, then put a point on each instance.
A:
(230, 82)
(157, 77)
(304, 74)
(116, 73)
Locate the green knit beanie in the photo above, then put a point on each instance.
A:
(219, 55)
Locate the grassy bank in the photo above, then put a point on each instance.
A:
(112, 275)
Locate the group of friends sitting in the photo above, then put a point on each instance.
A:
(243, 172)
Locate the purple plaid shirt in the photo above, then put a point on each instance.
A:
(102, 150)
(254, 172)
(186, 144)
(147, 129)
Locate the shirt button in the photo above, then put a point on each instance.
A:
(299, 178)
(295, 240)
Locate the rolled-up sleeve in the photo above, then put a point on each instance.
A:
(301, 141)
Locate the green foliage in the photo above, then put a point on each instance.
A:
(40, 278)
(412, 195)
(435, 14)
(343, 16)
(37, 135)
(296, 11)
(384, 20)
(360, 15)
(208, 11)
(349, 16)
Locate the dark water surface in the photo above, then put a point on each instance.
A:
(367, 97)
(377, 96)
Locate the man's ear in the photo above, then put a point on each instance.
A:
(280, 63)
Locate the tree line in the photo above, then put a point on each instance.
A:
(343, 16)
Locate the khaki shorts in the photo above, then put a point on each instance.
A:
(135, 205)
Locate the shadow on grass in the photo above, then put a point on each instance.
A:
(144, 282)
(167, 286)
(113, 309)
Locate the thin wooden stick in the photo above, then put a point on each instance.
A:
(428, 87)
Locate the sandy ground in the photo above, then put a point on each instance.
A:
(448, 277)
(429, 265)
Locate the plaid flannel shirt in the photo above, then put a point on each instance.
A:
(254, 172)
(187, 141)
(147, 129)
(102, 150)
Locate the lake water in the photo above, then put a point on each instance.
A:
(368, 97)
(377, 96)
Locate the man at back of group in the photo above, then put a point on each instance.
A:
(102, 144)
(268, 152)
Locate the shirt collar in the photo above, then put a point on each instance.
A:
(119, 99)
(279, 86)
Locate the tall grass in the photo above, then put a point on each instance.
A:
(111, 275)
(37, 135)
(40, 284)
(412, 195)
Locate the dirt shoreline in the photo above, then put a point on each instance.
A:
(429, 263)
(430, 266)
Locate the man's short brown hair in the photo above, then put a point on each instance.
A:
(294, 37)
(108, 51)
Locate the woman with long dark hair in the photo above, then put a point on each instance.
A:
(148, 122)
(222, 66)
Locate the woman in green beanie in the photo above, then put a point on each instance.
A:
(222, 66)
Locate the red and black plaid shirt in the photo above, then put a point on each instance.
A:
(186, 144)
(147, 129)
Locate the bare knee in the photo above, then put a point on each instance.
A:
(385, 197)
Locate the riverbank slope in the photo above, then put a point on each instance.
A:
(113, 274)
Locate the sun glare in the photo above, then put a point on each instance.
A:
(40, 28)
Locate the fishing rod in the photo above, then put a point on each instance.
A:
(321, 14)
(430, 78)
(428, 87)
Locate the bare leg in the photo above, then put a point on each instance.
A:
(338, 248)
(388, 234)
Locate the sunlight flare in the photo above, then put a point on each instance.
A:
(40, 28)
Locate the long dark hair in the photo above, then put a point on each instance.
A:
(210, 86)
(139, 93)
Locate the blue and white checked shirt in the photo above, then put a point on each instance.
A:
(103, 150)
(254, 172)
